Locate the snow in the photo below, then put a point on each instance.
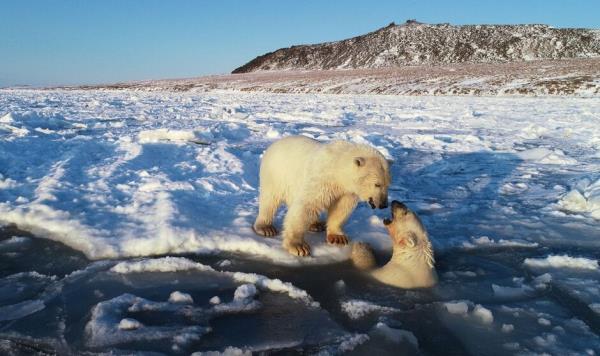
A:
(151, 185)
(357, 309)
(562, 261)
(506, 187)
(171, 136)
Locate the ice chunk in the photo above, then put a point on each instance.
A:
(14, 241)
(545, 340)
(546, 156)
(396, 335)
(478, 311)
(7, 183)
(107, 326)
(243, 300)
(228, 351)
(356, 309)
(584, 197)
(175, 264)
(506, 328)
(460, 308)
(351, 342)
(274, 285)
(178, 297)
(510, 292)
(244, 292)
(562, 261)
(485, 315)
(164, 264)
(21, 309)
(129, 324)
(485, 241)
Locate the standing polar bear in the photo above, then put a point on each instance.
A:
(312, 177)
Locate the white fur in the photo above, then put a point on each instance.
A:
(412, 262)
(312, 177)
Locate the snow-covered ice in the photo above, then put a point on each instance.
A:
(127, 225)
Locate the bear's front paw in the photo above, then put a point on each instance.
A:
(297, 248)
(318, 226)
(265, 230)
(335, 239)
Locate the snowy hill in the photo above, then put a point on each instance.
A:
(565, 77)
(415, 43)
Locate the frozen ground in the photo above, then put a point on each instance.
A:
(565, 77)
(97, 187)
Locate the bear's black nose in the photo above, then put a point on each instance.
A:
(398, 207)
(372, 203)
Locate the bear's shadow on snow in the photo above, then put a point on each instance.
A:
(201, 209)
(455, 194)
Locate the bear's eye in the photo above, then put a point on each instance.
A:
(377, 185)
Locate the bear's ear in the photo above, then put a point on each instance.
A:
(359, 161)
(409, 240)
(412, 239)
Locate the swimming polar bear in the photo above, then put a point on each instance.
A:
(412, 262)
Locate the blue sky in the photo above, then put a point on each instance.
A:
(70, 42)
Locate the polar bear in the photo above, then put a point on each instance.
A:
(312, 177)
(412, 262)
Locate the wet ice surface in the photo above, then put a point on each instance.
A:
(508, 189)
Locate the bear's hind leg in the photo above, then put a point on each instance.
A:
(267, 207)
(295, 225)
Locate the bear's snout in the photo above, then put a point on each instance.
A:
(372, 203)
(380, 203)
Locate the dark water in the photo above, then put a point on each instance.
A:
(60, 297)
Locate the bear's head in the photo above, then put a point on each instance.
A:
(408, 233)
(372, 180)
